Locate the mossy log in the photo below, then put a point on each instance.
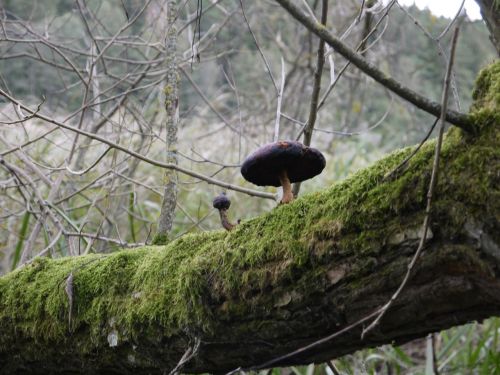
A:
(279, 281)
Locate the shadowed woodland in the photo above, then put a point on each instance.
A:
(122, 120)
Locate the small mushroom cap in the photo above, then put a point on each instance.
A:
(221, 202)
(263, 166)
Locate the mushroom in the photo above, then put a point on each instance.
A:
(222, 203)
(282, 163)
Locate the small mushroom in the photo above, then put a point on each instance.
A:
(222, 203)
(282, 163)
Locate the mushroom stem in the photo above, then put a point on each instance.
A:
(287, 187)
(224, 220)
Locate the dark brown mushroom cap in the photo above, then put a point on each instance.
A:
(221, 202)
(263, 167)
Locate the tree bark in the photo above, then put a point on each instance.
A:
(169, 203)
(490, 11)
(280, 281)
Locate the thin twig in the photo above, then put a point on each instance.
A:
(430, 193)
(334, 80)
(456, 118)
(143, 158)
(186, 357)
(435, 366)
(44, 251)
(258, 48)
(278, 106)
(413, 153)
(27, 143)
(24, 118)
(307, 347)
(84, 171)
(361, 8)
(313, 107)
(441, 51)
(332, 367)
(447, 28)
(210, 104)
(93, 236)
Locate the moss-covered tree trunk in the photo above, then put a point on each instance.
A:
(279, 281)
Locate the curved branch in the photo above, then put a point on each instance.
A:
(157, 163)
(456, 118)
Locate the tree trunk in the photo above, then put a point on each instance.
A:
(490, 11)
(169, 203)
(279, 281)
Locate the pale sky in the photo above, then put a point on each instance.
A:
(446, 8)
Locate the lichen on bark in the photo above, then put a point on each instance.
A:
(171, 104)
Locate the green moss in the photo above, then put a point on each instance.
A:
(187, 282)
(487, 88)
(160, 239)
(486, 96)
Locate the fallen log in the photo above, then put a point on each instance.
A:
(280, 281)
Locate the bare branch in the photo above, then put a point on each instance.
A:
(278, 105)
(142, 157)
(456, 118)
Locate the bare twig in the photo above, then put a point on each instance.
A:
(50, 246)
(332, 367)
(209, 104)
(102, 238)
(86, 170)
(413, 153)
(456, 118)
(431, 358)
(313, 108)
(268, 68)
(430, 193)
(335, 79)
(318, 72)
(24, 118)
(187, 356)
(437, 41)
(306, 348)
(278, 106)
(142, 157)
(31, 141)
